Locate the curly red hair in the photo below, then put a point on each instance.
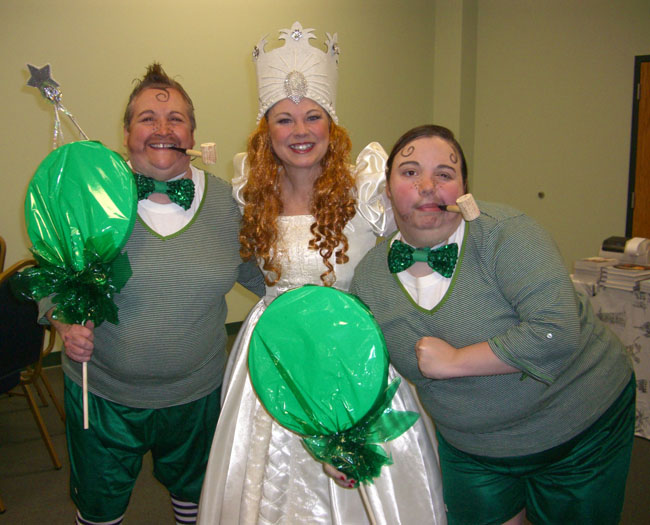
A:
(332, 204)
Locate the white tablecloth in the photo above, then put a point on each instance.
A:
(628, 315)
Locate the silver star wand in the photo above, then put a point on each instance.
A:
(49, 88)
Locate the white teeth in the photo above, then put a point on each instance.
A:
(162, 146)
(302, 147)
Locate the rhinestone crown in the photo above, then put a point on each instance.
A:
(297, 70)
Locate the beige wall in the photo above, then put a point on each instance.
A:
(96, 48)
(553, 112)
(539, 91)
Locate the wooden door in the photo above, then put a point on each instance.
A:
(638, 213)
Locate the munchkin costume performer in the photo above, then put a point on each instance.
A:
(532, 397)
(154, 379)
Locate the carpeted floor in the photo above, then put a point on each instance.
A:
(36, 494)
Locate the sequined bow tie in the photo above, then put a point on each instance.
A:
(179, 191)
(442, 260)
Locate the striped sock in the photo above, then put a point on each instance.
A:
(82, 521)
(184, 511)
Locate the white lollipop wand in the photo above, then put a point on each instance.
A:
(84, 381)
(366, 504)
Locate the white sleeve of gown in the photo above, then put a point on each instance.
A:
(240, 179)
(370, 176)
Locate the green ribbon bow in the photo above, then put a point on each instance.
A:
(355, 451)
(86, 294)
(442, 260)
(179, 191)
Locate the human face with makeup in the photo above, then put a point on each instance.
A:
(424, 173)
(299, 134)
(160, 119)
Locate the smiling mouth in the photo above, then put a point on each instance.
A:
(164, 145)
(301, 148)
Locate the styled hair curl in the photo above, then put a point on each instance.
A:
(156, 78)
(332, 204)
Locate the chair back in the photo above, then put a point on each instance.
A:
(21, 337)
(3, 253)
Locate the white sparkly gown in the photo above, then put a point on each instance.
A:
(259, 472)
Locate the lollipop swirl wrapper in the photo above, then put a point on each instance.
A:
(319, 365)
(80, 210)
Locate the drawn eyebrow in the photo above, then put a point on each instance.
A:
(408, 163)
(415, 163)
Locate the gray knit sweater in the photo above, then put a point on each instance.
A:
(510, 288)
(169, 346)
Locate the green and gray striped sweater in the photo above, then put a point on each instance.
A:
(169, 346)
(510, 288)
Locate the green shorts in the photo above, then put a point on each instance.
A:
(105, 459)
(580, 481)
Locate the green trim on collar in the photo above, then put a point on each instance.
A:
(187, 226)
(457, 270)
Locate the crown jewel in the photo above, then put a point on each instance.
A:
(297, 70)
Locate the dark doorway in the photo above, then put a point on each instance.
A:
(638, 200)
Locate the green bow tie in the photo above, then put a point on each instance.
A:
(179, 191)
(442, 260)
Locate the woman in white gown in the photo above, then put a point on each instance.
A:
(259, 472)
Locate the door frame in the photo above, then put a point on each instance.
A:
(638, 61)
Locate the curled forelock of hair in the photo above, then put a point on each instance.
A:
(332, 203)
(156, 78)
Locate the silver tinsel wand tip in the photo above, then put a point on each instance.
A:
(41, 78)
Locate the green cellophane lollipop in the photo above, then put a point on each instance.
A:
(80, 210)
(319, 365)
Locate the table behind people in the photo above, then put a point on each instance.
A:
(627, 313)
(155, 378)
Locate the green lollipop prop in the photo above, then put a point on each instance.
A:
(80, 210)
(319, 365)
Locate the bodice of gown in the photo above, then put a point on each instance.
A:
(301, 265)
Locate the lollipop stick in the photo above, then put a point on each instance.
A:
(84, 377)
(84, 388)
(366, 504)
